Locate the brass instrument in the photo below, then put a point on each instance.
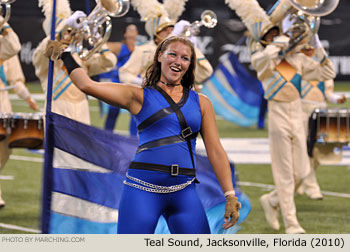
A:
(97, 27)
(7, 5)
(208, 19)
(305, 16)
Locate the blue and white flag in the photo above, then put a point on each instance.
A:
(84, 181)
(234, 93)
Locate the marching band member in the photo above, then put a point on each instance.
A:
(67, 99)
(280, 74)
(11, 77)
(315, 94)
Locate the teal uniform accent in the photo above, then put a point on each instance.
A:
(3, 76)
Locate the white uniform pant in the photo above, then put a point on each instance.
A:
(310, 182)
(289, 160)
(5, 107)
(5, 152)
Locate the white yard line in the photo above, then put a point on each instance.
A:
(6, 177)
(14, 227)
(271, 187)
(26, 158)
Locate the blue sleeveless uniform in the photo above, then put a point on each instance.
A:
(182, 209)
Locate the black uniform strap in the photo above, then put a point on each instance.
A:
(186, 131)
(173, 169)
(163, 141)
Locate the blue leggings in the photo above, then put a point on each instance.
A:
(183, 211)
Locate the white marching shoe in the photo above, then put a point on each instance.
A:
(295, 230)
(2, 203)
(271, 212)
(315, 195)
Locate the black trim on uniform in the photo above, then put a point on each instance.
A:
(154, 118)
(162, 113)
(173, 169)
(163, 141)
(186, 131)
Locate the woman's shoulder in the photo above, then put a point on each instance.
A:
(202, 97)
(204, 101)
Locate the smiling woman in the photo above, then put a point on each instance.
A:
(169, 115)
(175, 63)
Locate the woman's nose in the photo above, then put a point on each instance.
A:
(177, 60)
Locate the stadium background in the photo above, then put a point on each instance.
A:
(22, 177)
(26, 20)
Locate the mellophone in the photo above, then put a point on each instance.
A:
(332, 125)
(25, 130)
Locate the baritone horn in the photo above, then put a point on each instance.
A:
(208, 19)
(304, 16)
(97, 26)
(7, 5)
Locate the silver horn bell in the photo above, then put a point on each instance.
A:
(7, 4)
(305, 17)
(208, 19)
(97, 27)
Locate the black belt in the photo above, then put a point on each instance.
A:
(173, 169)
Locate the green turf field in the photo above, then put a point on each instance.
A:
(331, 215)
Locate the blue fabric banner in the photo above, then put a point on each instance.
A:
(88, 169)
(235, 94)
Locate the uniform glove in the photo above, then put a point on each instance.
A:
(193, 39)
(180, 27)
(54, 49)
(231, 211)
(281, 41)
(75, 19)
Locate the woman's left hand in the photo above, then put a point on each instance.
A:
(231, 211)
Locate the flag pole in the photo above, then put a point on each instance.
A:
(48, 143)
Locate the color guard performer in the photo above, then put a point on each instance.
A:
(161, 179)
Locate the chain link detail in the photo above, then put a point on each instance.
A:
(148, 187)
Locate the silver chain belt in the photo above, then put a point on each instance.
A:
(148, 187)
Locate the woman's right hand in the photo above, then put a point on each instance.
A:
(231, 211)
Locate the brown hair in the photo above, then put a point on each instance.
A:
(154, 71)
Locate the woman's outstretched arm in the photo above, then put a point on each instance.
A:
(127, 96)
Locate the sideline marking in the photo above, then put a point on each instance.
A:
(271, 187)
(7, 177)
(26, 158)
(14, 227)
